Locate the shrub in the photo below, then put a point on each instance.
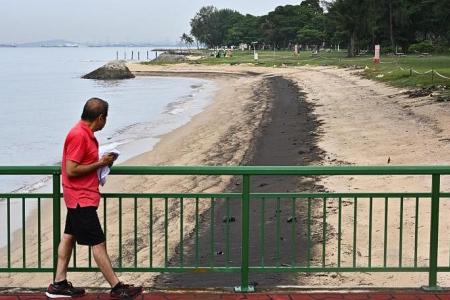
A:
(422, 47)
(387, 50)
(442, 46)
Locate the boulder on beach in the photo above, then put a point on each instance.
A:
(112, 70)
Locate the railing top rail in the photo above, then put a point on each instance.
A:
(30, 170)
(242, 170)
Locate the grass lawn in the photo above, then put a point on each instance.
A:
(395, 70)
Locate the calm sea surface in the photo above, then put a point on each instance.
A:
(42, 95)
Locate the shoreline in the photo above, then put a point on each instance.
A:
(273, 144)
(128, 149)
(160, 155)
(358, 122)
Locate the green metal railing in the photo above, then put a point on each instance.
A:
(210, 232)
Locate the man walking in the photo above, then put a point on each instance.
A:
(81, 194)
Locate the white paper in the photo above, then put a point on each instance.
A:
(104, 171)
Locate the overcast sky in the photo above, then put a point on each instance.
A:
(160, 21)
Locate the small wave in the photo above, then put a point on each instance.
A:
(46, 180)
(93, 60)
(125, 129)
(29, 188)
(178, 106)
(176, 111)
(128, 133)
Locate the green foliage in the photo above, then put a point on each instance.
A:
(210, 25)
(422, 47)
(223, 27)
(187, 39)
(245, 30)
(353, 24)
(281, 25)
(310, 36)
(349, 17)
(442, 46)
(199, 24)
(387, 50)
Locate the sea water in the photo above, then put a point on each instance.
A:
(42, 96)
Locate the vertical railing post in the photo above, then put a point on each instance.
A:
(56, 218)
(434, 233)
(245, 216)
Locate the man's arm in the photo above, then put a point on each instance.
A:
(74, 169)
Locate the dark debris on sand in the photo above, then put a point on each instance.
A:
(288, 136)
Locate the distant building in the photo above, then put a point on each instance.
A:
(243, 46)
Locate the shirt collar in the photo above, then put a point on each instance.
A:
(86, 128)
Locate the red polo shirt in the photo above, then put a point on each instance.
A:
(80, 146)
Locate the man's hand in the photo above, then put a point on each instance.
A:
(74, 169)
(107, 159)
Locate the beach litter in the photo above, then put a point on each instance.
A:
(228, 219)
(426, 91)
(292, 219)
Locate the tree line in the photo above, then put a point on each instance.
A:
(397, 25)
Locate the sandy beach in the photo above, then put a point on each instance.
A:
(278, 116)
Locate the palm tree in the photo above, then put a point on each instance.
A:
(187, 40)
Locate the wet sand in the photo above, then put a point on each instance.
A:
(286, 137)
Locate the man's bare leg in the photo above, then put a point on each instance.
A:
(64, 252)
(104, 263)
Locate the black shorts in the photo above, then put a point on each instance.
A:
(83, 223)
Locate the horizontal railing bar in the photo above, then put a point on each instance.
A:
(443, 269)
(339, 195)
(26, 270)
(242, 170)
(172, 195)
(163, 269)
(281, 170)
(25, 195)
(30, 170)
(332, 269)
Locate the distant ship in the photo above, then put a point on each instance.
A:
(7, 46)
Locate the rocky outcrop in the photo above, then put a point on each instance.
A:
(167, 57)
(111, 71)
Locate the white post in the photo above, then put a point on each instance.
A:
(376, 59)
(255, 55)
